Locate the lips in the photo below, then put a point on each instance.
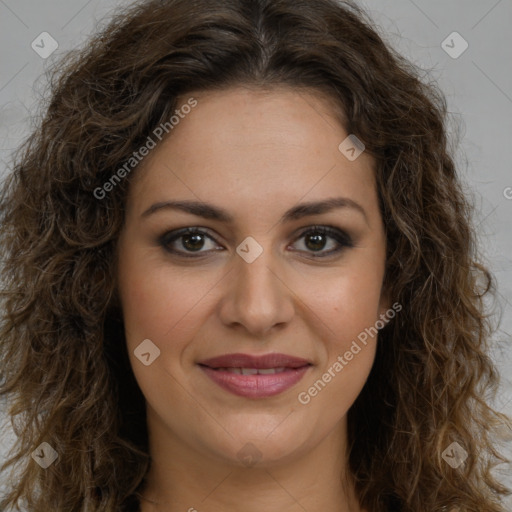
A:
(255, 376)
(265, 361)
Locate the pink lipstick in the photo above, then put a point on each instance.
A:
(255, 376)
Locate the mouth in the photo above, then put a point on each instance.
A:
(255, 376)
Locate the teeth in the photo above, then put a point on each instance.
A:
(267, 371)
(253, 371)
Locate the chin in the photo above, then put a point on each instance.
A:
(262, 447)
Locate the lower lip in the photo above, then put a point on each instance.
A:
(256, 386)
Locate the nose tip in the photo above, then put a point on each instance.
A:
(256, 297)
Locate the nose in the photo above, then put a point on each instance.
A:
(257, 298)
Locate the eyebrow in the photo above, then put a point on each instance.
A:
(209, 211)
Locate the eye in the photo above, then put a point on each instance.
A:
(191, 240)
(315, 239)
(186, 242)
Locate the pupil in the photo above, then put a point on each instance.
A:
(318, 242)
(196, 244)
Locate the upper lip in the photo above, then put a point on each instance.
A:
(247, 361)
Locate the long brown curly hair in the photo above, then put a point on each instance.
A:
(66, 372)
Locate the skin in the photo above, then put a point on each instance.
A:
(255, 154)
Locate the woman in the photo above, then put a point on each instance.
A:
(241, 273)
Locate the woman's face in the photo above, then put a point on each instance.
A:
(253, 173)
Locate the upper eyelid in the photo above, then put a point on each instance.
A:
(299, 232)
(178, 233)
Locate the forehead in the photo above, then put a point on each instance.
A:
(247, 145)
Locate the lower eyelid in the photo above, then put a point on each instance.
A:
(342, 238)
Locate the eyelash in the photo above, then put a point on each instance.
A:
(343, 239)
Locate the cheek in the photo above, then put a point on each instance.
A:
(348, 354)
(164, 304)
(354, 305)
(348, 308)
(346, 301)
(150, 302)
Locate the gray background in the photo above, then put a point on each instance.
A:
(477, 84)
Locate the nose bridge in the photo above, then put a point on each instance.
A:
(257, 278)
(257, 297)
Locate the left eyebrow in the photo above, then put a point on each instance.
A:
(209, 211)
